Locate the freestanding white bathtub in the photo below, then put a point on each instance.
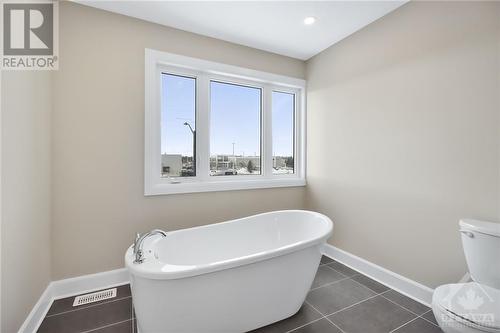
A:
(230, 277)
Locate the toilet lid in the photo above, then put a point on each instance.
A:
(472, 303)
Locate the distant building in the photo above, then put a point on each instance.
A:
(279, 162)
(242, 162)
(171, 165)
(175, 165)
(221, 162)
(230, 162)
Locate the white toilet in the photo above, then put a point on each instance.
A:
(473, 307)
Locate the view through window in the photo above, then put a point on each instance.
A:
(283, 132)
(178, 126)
(235, 129)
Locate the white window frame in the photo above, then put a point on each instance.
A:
(157, 62)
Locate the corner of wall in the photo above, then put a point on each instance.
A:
(26, 192)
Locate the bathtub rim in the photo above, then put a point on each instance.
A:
(151, 269)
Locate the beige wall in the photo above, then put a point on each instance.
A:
(404, 135)
(98, 140)
(25, 245)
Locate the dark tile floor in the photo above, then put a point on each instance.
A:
(108, 316)
(340, 300)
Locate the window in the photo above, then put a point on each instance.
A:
(235, 122)
(215, 127)
(283, 132)
(178, 131)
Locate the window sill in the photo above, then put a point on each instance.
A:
(214, 186)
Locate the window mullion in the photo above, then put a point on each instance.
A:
(203, 128)
(300, 132)
(267, 132)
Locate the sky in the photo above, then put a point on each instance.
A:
(235, 117)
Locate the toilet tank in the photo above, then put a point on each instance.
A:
(481, 243)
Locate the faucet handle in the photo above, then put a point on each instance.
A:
(139, 258)
(137, 236)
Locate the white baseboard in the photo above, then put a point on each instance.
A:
(38, 312)
(401, 284)
(91, 282)
(71, 287)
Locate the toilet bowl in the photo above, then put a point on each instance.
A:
(473, 307)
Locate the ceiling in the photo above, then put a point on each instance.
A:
(274, 26)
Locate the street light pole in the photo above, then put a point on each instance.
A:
(194, 145)
(234, 158)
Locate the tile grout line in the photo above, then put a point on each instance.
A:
(89, 306)
(345, 277)
(311, 322)
(350, 306)
(132, 315)
(341, 330)
(329, 283)
(413, 319)
(406, 323)
(378, 294)
(106, 326)
(333, 269)
(427, 320)
(416, 314)
(324, 317)
(306, 302)
(336, 270)
(345, 308)
(319, 312)
(360, 274)
(362, 285)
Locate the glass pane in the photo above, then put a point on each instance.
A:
(178, 121)
(234, 129)
(283, 132)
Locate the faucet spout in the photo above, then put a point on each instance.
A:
(139, 240)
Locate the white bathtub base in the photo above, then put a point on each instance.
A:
(232, 301)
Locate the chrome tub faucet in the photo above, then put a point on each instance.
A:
(139, 239)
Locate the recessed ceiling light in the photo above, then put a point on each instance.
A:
(309, 20)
